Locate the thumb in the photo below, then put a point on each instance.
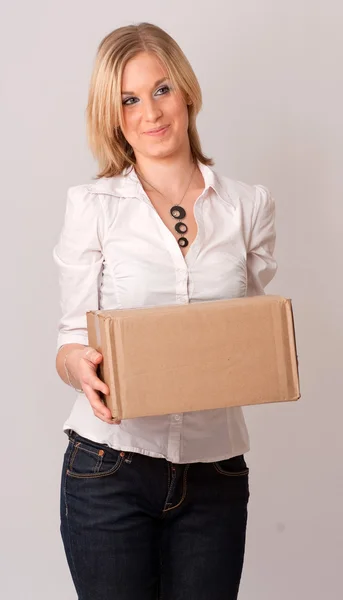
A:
(93, 355)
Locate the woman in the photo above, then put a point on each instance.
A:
(153, 507)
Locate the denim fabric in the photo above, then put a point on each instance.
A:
(141, 528)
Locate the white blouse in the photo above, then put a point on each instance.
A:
(114, 251)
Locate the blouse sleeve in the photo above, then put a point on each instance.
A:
(78, 256)
(261, 265)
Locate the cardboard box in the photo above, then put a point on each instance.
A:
(180, 358)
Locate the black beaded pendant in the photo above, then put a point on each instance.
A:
(181, 227)
(177, 212)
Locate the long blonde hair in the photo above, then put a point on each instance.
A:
(104, 107)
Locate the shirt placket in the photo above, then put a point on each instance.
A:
(174, 439)
(181, 297)
(181, 266)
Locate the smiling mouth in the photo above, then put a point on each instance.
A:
(158, 130)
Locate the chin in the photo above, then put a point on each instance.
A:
(163, 152)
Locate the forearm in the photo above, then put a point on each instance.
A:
(73, 351)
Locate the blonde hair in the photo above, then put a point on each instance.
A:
(104, 108)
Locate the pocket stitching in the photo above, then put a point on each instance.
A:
(96, 475)
(230, 474)
(72, 458)
(79, 447)
(92, 475)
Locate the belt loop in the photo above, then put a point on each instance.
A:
(71, 435)
(128, 458)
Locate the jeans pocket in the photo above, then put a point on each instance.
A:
(89, 459)
(232, 467)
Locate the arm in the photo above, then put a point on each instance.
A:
(78, 256)
(64, 352)
(261, 264)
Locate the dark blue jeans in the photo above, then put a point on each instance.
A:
(142, 528)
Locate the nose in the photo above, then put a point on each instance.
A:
(152, 112)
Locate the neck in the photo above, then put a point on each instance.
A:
(169, 175)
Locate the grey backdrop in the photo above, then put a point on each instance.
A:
(271, 74)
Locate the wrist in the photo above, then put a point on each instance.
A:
(70, 367)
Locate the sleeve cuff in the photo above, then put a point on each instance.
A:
(72, 338)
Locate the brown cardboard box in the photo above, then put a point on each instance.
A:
(180, 358)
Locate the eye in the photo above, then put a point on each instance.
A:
(163, 90)
(130, 101)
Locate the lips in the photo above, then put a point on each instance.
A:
(157, 130)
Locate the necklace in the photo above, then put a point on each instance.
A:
(177, 212)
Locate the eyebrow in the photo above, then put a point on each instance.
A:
(157, 83)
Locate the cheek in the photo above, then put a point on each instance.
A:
(130, 122)
(180, 114)
(182, 124)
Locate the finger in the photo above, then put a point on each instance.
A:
(92, 355)
(96, 402)
(100, 410)
(90, 378)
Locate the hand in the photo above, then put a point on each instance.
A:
(82, 364)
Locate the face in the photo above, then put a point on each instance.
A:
(155, 116)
